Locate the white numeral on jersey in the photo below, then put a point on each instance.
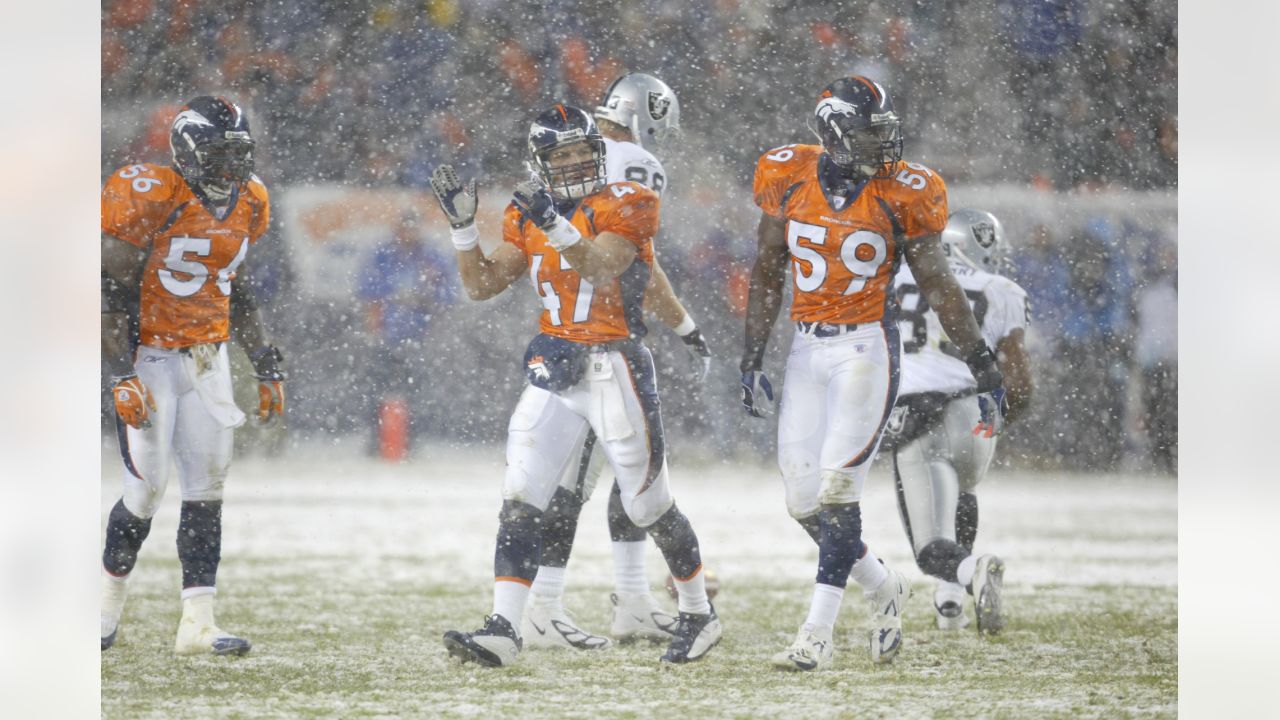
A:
(621, 190)
(176, 261)
(140, 184)
(861, 251)
(782, 154)
(912, 180)
(551, 301)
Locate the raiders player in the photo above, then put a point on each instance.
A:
(174, 241)
(639, 113)
(842, 214)
(942, 432)
(588, 247)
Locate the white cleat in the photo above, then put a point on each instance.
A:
(948, 606)
(812, 650)
(694, 637)
(988, 583)
(548, 625)
(637, 616)
(199, 635)
(494, 645)
(887, 602)
(114, 591)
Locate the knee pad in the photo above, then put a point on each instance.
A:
(940, 558)
(621, 528)
(841, 486)
(559, 525)
(519, 546)
(208, 489)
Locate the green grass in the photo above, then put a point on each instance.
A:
(352, 631)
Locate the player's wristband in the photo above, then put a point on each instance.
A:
(465, 238)
(685, 327)
(562, 234)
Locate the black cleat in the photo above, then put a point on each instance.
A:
(694, 637)
(494, 645)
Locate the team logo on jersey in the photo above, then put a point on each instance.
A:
(539, 368)
(659, 104)
(984, 234)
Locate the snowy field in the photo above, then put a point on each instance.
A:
(345, 572)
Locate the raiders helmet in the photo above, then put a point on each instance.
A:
(211, 145)
(562, 126)
(857, 126)
(644, 104)
(976, 238)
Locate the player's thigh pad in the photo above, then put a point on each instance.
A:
(202, 446)
(928, 490)
(861, 390)
(970, 454)
(585, 466)
(801, 427)
(542, 436)
(627, 418)
(147, 454)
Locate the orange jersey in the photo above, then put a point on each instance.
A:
(573, 308)
(186, 284)
(843, 261)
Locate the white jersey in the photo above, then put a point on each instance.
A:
(930, 363)
(627, 161)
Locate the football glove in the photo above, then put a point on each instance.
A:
(133, 401)
(699, 353)
(457, 201)
(266, 367)
(992, 408)
(757, 394)
(536, 204)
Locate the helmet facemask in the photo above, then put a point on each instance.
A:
(858, 148)
(567, 171)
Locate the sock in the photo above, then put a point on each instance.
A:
(868, 571)
(125, 534)
(509, 597)
(940, 558)
(692, 594)
(114, 590)
(825, 605)
(840, 543)
(812, 526)
(518, 551)
(621, 529)
(193, 592)
(964, 573)
(629, 575)
(559, 525)
(200, 542)
(674, 536)
(548, 586)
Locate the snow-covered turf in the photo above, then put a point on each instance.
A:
(345, 572)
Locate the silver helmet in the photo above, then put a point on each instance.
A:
(976, 238)
(644, 104)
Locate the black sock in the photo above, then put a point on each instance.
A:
(674, 536)
(200, 542)
(559, 525)
(841, 543)
(519, 548)
(940, 559)
(125, 533)
(621, 529)
(812, 526)
(967, 520)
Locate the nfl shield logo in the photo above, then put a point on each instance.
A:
(984, 234)
(658, 105)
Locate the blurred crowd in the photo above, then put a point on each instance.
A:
(1058, 95)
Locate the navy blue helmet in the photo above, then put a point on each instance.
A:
(561, 127)
(857, 126)
(211, 144)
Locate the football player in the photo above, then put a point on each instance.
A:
(588, 248)
(941, 433)
(174, 241)
(638, 112)
(843, 213)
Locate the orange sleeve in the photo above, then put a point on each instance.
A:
(630, 210)
(136, 201)
(262, 209)
(771, 180)
(511, 228)
(924, 211)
